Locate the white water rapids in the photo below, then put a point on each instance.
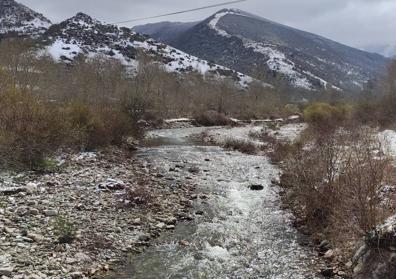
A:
(241, 233)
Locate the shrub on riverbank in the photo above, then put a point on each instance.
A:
(335, 184)
(212, 118)
(30, 129)
(33, 128)
(243, 146)
(326, 116)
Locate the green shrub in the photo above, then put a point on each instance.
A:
(64, 230)
(324, 115)
(47, 165)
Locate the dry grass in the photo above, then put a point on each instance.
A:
(30, 129)
(212, 118)
(335, 183)
(138, 196)
(241, 146)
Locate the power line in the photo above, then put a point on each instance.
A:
(181, 12)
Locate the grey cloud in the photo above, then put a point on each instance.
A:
(358, 23)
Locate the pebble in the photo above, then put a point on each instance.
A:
(50, 212)
(6, 271)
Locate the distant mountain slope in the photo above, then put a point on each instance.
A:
(165, 31)
(84, 35)
(385, 50)
(19, 19)
(248, 43)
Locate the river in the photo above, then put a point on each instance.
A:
(237, 232)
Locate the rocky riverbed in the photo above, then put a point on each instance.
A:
(177, 208)
(85, 199)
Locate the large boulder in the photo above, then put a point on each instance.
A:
(377, 258)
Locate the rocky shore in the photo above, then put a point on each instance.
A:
(86, 217)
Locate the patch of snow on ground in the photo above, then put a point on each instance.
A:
(388, 138)
(216, 252)
(60, 48)
(181, 61)
(213, 24)
(289, 132)
(389, 225)
(279, 63)
(178, 120)
(222, 135)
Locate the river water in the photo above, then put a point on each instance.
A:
(237, 232)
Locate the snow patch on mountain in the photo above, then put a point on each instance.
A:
(82, 35)
(19, 19)
(60, 49)
(216, 18)
(213, 24)
(278, 62)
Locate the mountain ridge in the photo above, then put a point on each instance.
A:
(16, 18)
(240, 40)
(229, 44)
(84, 35)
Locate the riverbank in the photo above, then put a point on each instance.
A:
(85, 199)
(178, 206)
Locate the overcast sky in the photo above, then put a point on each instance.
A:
(358, 23)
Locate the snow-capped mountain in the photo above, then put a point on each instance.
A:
(82, 34)
(18, 19)
(248, 43)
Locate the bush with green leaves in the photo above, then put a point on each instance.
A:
(64, 230)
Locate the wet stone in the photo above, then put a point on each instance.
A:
(256, 187)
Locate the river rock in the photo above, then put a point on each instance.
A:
(160, 225)
(76, 275)
(31, 188)
(256, 187)
(50, 212)
(8, 191)
(132, 144)
(35, 237)
(327, 272)
(329, 254)
(6, 271)
(137, 222)
(112, 185)
(193, 170)
(325, 246)
(184, 243)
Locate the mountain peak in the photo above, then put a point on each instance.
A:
(80, 16)
(18, 19)
(7, 2)
(234, 11)
(229, 10)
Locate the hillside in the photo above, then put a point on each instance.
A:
(18, 19)
(251, 44)
(83, 35)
